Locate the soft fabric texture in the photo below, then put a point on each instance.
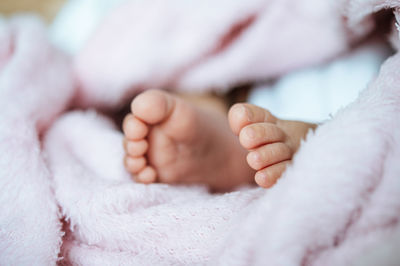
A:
(66, 196)
(36, 84)
(294, 96)
(191, 45)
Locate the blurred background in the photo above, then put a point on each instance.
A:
(45, 8)
(310, 94)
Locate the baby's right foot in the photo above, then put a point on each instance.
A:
(271, 142)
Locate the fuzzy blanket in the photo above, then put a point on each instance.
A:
(66, 198)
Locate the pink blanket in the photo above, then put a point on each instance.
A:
(66, 198)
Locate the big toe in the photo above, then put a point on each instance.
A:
(152, 106)
(134, 129)
(243, 114)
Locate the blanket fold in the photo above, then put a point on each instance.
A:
(361, 198)
(36, 84)
(205, 45)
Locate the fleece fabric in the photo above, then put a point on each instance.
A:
(65, 196)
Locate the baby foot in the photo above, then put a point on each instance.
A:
(170, 140)
(271, 142)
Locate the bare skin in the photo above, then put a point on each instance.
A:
(170, 139)
(271, 142)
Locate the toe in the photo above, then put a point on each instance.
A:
(135, 165)
(269, 154)
(152, 106)
(133, 128)
(243, 114)
(267, 177)
(135, 148)
(147, 175)
(254, 135)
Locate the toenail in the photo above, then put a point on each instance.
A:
(255, 156)
(260, 177)
(250, 133)
(248, 112)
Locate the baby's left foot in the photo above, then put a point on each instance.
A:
(172, 140)
(271, 142)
